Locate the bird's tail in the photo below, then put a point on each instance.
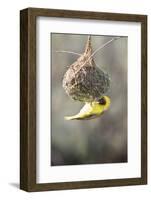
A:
(70, 117)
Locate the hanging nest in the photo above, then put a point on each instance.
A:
(84, 81)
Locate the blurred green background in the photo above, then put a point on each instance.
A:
(101, 140)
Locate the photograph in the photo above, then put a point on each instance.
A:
(83, 99)
(88, 99)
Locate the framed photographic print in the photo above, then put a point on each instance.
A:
(83, 94)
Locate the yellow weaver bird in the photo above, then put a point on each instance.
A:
(92, 109)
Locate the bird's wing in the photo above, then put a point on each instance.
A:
(84, 113)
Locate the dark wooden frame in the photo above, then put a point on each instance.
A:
(28, 98)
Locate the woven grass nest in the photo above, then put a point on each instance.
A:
(84, 81)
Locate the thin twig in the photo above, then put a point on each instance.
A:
(71, 52)
(102, 46)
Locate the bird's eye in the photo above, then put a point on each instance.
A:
(102, 101)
